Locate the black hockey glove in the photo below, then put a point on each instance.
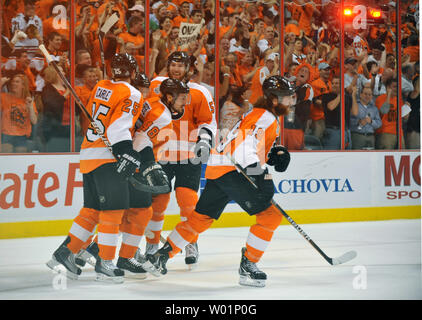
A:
(151, 177)
(127, 158)
(203, 145)
(279, 161)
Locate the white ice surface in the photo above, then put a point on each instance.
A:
(388, 266)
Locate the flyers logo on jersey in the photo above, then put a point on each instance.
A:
(103, 94)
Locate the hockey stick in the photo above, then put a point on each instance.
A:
(104, 29)
(135, 182)
(333, 261)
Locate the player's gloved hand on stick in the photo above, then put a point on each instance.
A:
(151, 173)
(203, 145)
(128, 160)
(279, 157)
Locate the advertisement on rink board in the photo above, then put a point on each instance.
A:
(49, 187)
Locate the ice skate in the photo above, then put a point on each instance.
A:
(192, 255)
(156, 263)
(151, 248)
(249, 273)
(90, 255)
(66, 258)
(108, 272)
(139, 256)
(132, 267)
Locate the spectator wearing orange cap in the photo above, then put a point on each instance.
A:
(292, 27)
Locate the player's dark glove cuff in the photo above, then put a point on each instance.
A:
(127, 158)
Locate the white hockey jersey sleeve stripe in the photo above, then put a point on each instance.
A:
(119, 130)
(95, 153)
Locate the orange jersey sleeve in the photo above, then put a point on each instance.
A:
(155, 126)
(115, 107)
(249, 142)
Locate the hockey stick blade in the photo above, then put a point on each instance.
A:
(139, 185)
(350, 255)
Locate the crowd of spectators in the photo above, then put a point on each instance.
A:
(248, 39)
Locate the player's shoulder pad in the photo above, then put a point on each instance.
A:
(259, 118)
(155, 84)
(196, 86)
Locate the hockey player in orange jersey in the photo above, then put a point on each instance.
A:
(154, 123)
(187, 149)
(115, 106)
(250, 143)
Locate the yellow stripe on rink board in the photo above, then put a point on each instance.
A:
(29, 229)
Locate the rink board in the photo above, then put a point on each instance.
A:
(40, 194)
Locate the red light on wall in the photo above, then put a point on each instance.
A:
(347, 12)
(375, 13)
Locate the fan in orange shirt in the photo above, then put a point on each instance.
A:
(184, 14)
(57, 21)
(134, 34)
(90, 78)
(109, 7)
(386, 135)
(320, 86)
(18, 114)
(270, 68)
